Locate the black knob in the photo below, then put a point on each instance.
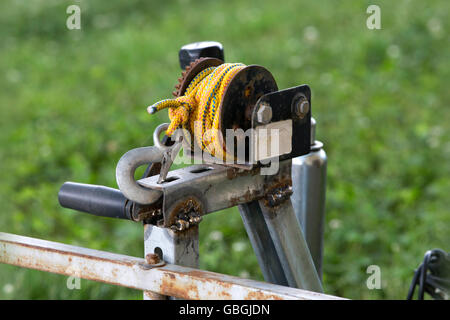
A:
(193, 51)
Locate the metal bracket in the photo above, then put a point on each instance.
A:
(209, 188)
(287, 105)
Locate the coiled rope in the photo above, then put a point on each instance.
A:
(198, 109)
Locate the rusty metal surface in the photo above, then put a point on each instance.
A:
(239, 99)
(216, 188)
(193, 69)
(175, 247)
(241, 95)
(169, 280)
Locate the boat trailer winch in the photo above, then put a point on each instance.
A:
(276, 175)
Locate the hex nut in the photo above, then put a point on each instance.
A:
(302, 107)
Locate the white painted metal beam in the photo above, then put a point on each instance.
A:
(170, 280)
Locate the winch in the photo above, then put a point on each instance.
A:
(216, 101)
(224, 113)
(241, 133)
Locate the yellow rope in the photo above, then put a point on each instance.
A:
(197, 111)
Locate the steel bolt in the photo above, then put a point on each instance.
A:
(152, 258)
(264, 114)
(302, 107)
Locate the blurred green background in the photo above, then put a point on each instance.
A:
(72, 102)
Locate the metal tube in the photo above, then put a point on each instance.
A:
(308, 198)
(262, 243)
(127, 271)
(291, 246)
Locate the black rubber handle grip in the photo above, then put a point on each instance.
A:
(97, 200)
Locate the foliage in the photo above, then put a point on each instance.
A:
(73, 102)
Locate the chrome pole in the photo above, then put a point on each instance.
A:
(308, 198)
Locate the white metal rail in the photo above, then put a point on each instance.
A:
(127, 271)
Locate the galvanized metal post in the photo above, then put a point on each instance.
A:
(308, 198)
(174, 247)
(291, 246)
(262, 243)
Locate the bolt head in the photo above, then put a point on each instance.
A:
(302, 107)
(152, 258)
(264, 114)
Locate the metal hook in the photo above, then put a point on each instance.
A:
(134, 158)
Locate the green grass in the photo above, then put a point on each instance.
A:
(72, 102)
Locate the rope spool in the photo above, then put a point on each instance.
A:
(213, 96)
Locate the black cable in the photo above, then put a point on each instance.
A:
(423, 276)
(432, 276)
(414, 282)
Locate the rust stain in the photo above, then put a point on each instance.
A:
(248, 196)
(184, 207)
(260, 295)
(277, 192)
(191, 291)
(171, 287)
(234, 172)
(190, 203)
(224, 295)
(147, 213)
(203, 275)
